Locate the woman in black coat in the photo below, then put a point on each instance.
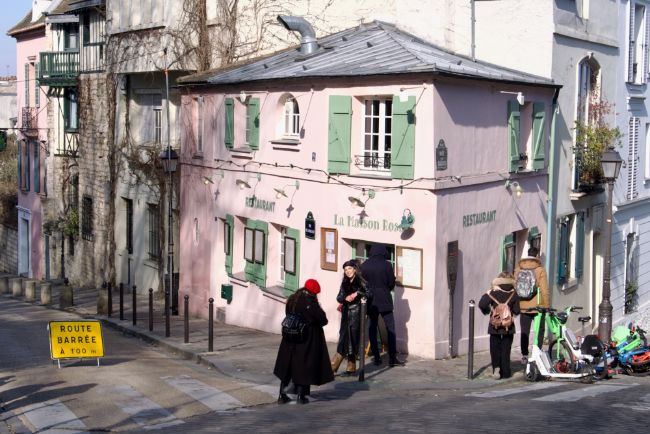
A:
(353, 289)
(304, 363)
(503, 291)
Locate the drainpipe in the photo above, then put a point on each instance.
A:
(308, 44)
(552, 195)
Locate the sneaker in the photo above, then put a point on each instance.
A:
(524, 360)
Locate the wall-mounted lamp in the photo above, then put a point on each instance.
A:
(358, 202)
(403, 97)
(521, 99)
(279, 192)
(243, 184)
(242, 97)
(514, 186)
(207, 180)
(407, 220)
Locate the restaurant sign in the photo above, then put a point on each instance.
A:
(479, 218)
(365, 223)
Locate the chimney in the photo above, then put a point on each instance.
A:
(308, 44)
(38, 7)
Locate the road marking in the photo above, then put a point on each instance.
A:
(505, 392)
(211, 397)
(53, 417)
(142, 410)
(584, 392)
(642, 405)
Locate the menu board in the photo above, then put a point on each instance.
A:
(409, 267)
(329, 247)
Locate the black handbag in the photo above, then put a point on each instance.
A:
(294, 328)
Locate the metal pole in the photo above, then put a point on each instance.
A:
(121, 301)
(167, 313)
(210, 325)
(450, 348)
(470, 342)
(170, 239)
(150, 309)
(186, 318)
(605, 307)
(362, 340)
(110, 299)
(134, 303)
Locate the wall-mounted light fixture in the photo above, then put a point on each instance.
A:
(407, 220)
(243, 184)
(243, 96)
(514, 186)
(208, 179)
(403, 97)
(279, 192)
(521, 99)
(358, 202)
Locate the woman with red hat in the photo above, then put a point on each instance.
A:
(308, 362)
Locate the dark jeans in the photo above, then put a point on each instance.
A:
(500, 346)
(525, 320)
(389, 321)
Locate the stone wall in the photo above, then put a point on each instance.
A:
(8, 249)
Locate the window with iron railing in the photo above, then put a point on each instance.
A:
(87, 218)
(376, 143)
(129, 225)
(154, 237)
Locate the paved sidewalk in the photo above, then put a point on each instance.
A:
(249, 355)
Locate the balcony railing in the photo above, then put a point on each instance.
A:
(29, 120)
(59, 68)
(373, 162)
(70, 145)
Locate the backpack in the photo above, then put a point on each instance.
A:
(525, 284)
(294, 328)
(500, 315)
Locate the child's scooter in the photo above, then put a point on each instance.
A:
(633, 355)
(563, 360)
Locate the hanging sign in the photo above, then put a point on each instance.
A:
(310, 226)
(441, 156)
(76, 339)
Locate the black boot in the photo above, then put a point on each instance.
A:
(283, 398)
(394, 361)
(302, 398)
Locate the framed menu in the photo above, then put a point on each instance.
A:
(409, 266)
(329, 249)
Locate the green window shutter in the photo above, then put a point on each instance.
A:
(562, 254)
(580, 243)
(249, 268)
(260, 263)
(292, 280)
(3, 140)
(514, 134)
(339, 133)
(532, 233)
(538, 135)
(507, 240)
(253, 109)
(37, 167)
(37, 89)
(229, 133)
(27, 85)
(230, 222)
(20, 161)
(403, 138)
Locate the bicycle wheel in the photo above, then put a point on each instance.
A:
(561, 356)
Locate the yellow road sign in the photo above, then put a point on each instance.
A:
(76, 339)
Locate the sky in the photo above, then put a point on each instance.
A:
(11, 11)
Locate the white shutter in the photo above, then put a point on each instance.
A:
(631, 49)
(646, 44)
(632, 157)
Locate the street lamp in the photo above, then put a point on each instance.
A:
(169, 160)
(611, 164)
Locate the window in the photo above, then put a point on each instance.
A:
(377, 126)
(27, 85)
(638, 35)
(154, 226)
(147, 115)
(70, 114)
(37, 88)
(526, 142)
(361, 251)
(291, 118)
(571, 242)
(85, 28)
(509, 253)
(199, 132)
(37, 166)
(87, 218)
(249, 112)
(129, 225)
(255, 236)
(157, 124)
(253, 123)
(283, 235)
(24, 159)
(71, 38)
(588, 94)
(632, 157)
(73, 192)
(228, 227)
(387, 140)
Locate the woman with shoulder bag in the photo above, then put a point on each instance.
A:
(353, 289)
(307, 362)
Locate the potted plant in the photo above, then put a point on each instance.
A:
(593, 136)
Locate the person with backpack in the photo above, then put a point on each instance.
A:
(531, 284)
(501, 302)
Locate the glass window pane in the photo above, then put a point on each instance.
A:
(259, 247)
(290, 255)
(248, 244)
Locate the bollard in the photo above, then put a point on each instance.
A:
(167, 314)
(210, 320)
(46, 293)
(16, 287)
(150, 309)
(470, 342)
(66, 295)
(134, 291)
(186, 318)
(121, 301)
(30, 290)
(362, 340)
(110, 299)
(4, 285)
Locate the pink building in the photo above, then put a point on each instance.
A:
(32, 125)
(294, 163)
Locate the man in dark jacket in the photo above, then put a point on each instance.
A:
(380, 279)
